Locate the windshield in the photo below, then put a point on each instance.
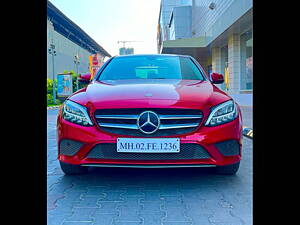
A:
(151, 67)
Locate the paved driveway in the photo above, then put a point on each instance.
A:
(121, 196)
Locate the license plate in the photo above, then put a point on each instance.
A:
(148, 145)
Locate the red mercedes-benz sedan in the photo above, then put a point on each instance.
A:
(150, 111)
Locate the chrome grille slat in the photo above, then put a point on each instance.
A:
(179, 117)
(131, 117)
(162, 126)
(162, 117)
(173, 121)
(124, 126)
(177, 126)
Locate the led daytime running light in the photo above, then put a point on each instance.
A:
(76, 113)
(222, 113)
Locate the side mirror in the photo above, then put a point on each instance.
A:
(85, 78)
(217, 78)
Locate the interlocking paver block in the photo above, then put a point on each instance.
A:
(77, 223)
(60, 187)
(191, 195)
(55, 218)
(82, 214)
(177, 223)
(108, 207)
(223, 216)
(103, 219)
(131, 202)
(65, 205)
(243, 213)
(78, 188)
(169, 191)
(151, 195)
(198, 210)
(201, 219)
(112, 196)
(173, 201)
(225, 204)
(88, 201)
(128, 223)
(152, 205)
(225, 223)
(116, 186)
(151, 217)
(96, 191)
(128, 214)
(73, 196)
(210, 194)
(199, 215)
(175, 214)
(212, 204)
(52, 199)
(133, 191)
(51, 180)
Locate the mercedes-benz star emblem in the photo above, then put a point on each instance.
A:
(148, 122)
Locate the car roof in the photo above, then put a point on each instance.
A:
(133, 55)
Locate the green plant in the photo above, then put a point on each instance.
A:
(49, 85)
(49, 99)
(50, 92)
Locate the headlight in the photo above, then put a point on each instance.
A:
(76, 113)
(222, 113)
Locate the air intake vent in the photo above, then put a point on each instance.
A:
(69, 147)
(187, 151)
(228, 148)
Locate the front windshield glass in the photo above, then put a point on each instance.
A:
(151, 67)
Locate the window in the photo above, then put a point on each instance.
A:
(151, 67)
(246, 46)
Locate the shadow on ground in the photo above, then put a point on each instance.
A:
(150, 178)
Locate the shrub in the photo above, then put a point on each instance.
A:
(49, 99)
(50, 92)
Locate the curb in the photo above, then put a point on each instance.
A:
(248, 132)
(53, 107)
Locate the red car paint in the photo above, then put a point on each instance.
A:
(192, 94)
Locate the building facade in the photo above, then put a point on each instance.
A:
(71, 44)
(217, 33)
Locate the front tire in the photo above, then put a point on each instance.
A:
(70, 169)
(228, 170)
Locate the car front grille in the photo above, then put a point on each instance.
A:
(172, 121)
(109, 151)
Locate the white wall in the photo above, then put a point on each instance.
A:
(65, 52)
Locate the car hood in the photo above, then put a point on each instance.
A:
(150, 93)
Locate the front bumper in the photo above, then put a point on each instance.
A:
(209, 138)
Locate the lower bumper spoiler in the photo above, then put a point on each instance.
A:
(149, 166)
